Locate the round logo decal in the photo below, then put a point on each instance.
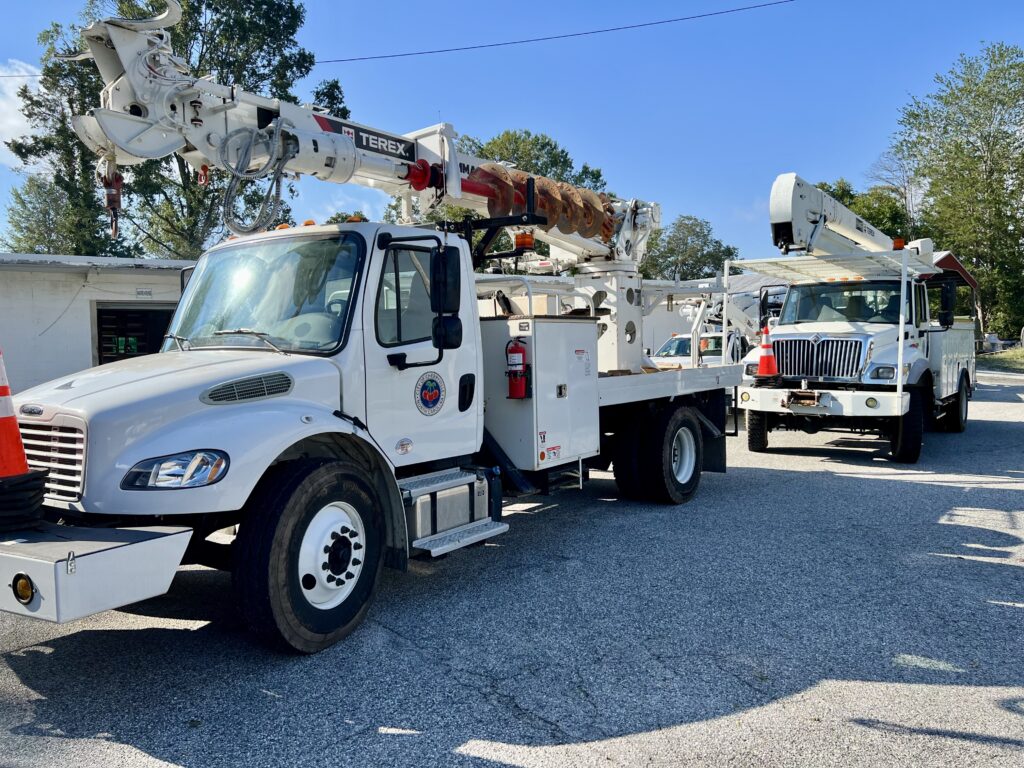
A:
(429, 393)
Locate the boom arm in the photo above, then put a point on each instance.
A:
(152, 107)
(804, 217)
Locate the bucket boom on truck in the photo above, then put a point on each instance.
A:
(152, 107)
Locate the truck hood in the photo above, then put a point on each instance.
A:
(166, 378)
(880, 332)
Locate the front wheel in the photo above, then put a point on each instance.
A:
(308, 555)
(757, 431)
(908, 434)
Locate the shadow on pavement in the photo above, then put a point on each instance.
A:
(595, 619)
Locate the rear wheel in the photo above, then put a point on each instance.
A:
(308, 555)
(954, 413)
(757, 431)
(908, 432)
(672, 456)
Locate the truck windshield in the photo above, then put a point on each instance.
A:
(876, 302)
(678, 346)
(293, 292)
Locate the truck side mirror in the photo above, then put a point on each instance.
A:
(947, 304)
(186, 275)
(446, 332)
(445, 282)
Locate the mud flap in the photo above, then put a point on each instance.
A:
(711, 412)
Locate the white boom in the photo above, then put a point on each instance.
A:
(152, 107)
(804, 217)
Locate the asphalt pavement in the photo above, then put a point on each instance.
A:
(817, 605)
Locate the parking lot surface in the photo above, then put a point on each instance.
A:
(814, 606)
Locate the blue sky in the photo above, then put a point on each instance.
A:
(699, 116)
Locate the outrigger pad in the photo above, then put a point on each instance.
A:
(21, 500)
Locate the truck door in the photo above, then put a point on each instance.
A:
(430, 410)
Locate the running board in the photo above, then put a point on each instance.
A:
(462, 536)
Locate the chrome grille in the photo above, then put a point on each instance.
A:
(829, 358)
(253, 388)
(61, 450)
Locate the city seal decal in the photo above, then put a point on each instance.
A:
(429, 393)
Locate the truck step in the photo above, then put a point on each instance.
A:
(462, 536)
(415, 487)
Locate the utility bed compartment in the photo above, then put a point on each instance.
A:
(558, 421)
(77, 571)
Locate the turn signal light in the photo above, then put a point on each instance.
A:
(24, 589)
(898, 243)
(309, 223)
(283, 226)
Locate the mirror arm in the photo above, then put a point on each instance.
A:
(398, 360)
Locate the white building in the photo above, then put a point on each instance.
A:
(62, 314)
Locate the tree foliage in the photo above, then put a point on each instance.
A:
(62, 167)
(686, 250)
(173, 215)
(966, 143)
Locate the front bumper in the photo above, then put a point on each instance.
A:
(822, 402)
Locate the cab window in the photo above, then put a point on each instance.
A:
(403, 313)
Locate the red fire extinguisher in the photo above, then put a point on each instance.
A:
(515, 368)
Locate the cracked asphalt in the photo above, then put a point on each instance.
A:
(815, 606)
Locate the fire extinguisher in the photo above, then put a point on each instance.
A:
(515, 368)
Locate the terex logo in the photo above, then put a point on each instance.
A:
(370, 141)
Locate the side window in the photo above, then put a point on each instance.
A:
(920, 304)
(403, 298)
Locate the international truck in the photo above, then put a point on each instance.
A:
(343, 398)
(868, 338)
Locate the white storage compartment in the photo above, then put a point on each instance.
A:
(558, 421)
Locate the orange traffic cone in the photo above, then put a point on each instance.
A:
(12, 452)
(766, 365)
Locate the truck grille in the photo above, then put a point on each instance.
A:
(829, 358)
(61, 450)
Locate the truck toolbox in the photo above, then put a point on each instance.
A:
(75, 572)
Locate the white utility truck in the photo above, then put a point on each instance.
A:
(348, 396)
(856, 344)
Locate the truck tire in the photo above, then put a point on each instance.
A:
(757, 432)
(671, 456)
(308, 555)
(626, 461)
(908, 431)
(954, 413)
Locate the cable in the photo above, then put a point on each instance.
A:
(277, 158)
(556, 37)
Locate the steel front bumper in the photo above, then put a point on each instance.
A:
(822, 402)
(75, 572)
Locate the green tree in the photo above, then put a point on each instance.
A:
(53, 151)
(686, 250)
(966, 141)
(37, 221)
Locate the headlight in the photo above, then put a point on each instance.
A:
(182, 470)
(751, 369)
(884, 372)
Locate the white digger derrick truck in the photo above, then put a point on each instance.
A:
(348, 396)
(867, 339)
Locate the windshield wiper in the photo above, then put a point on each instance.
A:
(264, 337)
(179, 340)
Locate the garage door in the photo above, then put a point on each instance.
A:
(124, 332)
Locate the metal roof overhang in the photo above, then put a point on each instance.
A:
(885, 265)
(951, 267)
